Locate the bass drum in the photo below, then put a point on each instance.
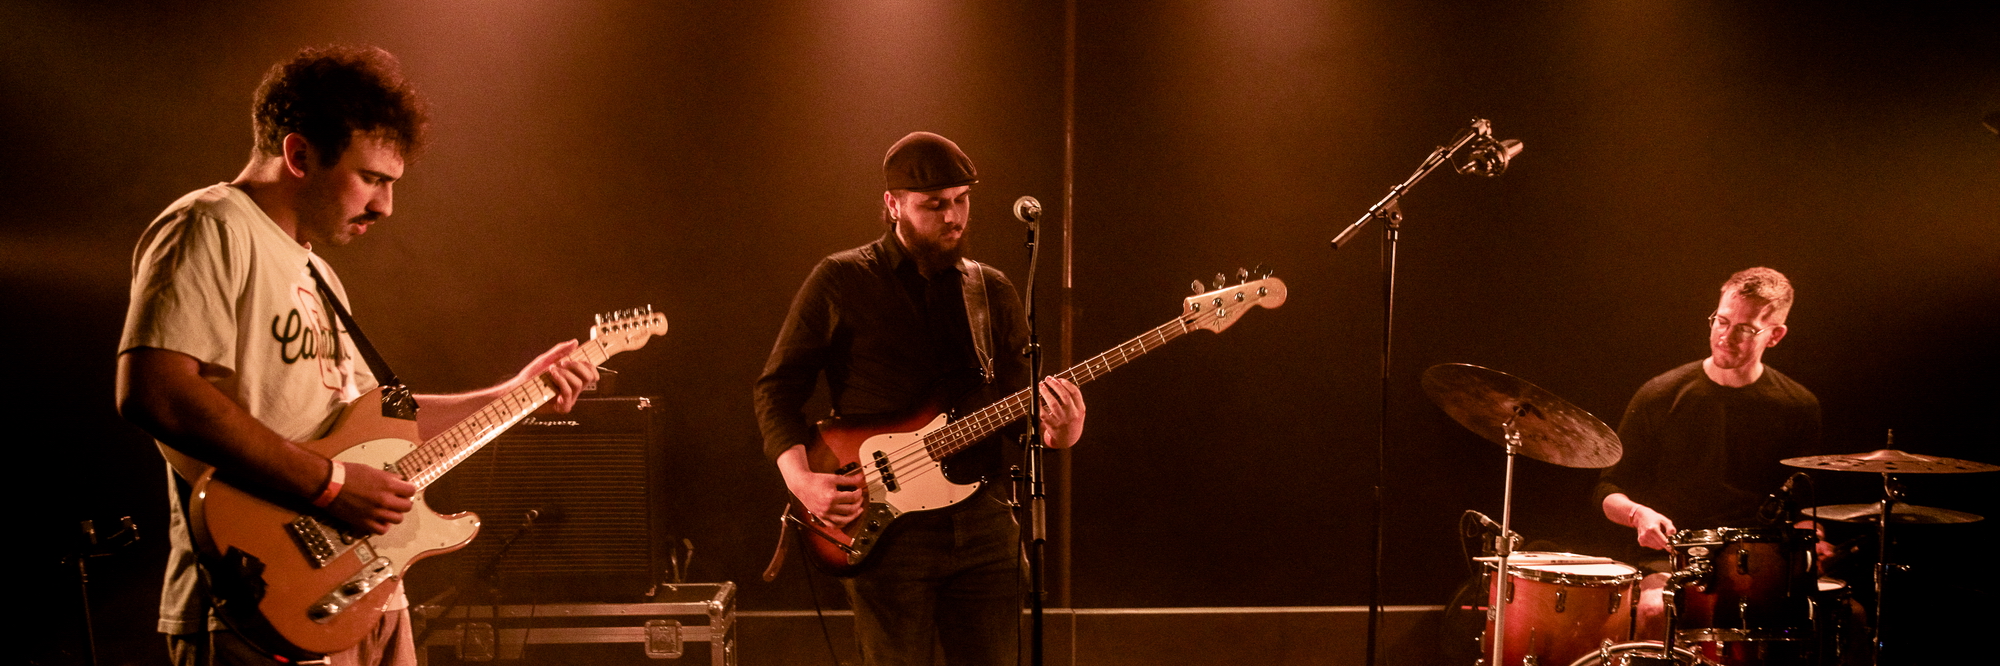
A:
(1641, 653)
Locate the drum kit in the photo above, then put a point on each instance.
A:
(1737, 596)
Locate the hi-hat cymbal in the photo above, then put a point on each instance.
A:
(1889, 461)
(1552, 430)
(1904, 514)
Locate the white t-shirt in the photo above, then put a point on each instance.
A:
(214, 278)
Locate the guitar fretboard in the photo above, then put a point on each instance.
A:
(440, 454)
(976, 426)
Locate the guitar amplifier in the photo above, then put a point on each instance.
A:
(570, 509)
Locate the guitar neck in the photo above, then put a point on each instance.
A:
(975, 427)
(440, 454)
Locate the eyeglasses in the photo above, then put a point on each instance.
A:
(1739, 330)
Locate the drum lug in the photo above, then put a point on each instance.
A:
(1743, 561)
(1562, 599)
(1616, 596)
(1509, 585)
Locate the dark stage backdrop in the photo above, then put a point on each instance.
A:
(699, 157)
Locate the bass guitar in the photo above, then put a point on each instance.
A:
(297, 583)
(901, 457)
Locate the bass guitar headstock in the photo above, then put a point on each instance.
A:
(1221, 305)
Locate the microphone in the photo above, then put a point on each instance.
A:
(1779, 506)
(546, 513)
(1486, 155)
(1489, 157)
(1488, 525)
(1790, 482)
(1028, 210)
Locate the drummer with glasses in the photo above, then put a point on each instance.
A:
(1702, 441)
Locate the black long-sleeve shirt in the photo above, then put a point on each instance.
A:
(887, 339)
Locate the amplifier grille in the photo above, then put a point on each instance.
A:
(590, 476)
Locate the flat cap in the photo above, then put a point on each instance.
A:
(923, 162)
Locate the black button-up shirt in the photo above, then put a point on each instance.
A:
(887, 340)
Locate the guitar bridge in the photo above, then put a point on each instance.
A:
(319, 543)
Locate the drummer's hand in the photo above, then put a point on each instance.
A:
(1653, 528)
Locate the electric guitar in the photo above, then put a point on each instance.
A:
(901, 457)
(297, 583)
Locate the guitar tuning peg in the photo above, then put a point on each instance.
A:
(1242, 275)
(1262, 272)
(1195, 286)
(1220, 281)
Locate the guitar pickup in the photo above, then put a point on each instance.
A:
(888, 473)
(371, 576)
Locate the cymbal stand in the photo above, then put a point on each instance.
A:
(1891, 490)
(1504, 545)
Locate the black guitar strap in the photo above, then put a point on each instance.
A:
(977, 315)
(396, 400)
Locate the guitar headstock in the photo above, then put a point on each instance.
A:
(626, 330)
(1220, 307)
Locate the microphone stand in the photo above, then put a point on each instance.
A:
(1390, 212)
(96, 545)
(1033, 449)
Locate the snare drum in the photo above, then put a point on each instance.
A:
(1761, 580)
(1558, 609)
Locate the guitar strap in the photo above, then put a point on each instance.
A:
(396, 400)
(977, 315)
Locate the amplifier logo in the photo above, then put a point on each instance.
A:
(547, 422)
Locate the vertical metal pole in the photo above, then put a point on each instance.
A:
(1391, 232)
(1061, 468)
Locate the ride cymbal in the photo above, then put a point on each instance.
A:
(1889, 461)
(1903, 514)
(1552, 430)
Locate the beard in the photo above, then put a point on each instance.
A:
(932, 255)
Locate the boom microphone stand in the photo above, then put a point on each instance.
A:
(1488, 158)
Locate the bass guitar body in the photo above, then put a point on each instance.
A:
(902, 475)
(292, 571)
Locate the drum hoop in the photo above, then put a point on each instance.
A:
(1574, 579)
(1651, 648)
(1742, 635)
(1721, 535)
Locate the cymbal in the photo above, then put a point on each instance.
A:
(1552, 430)
(1889, 461)
(1904, 514)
